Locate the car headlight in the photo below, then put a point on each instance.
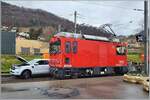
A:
(16, 68)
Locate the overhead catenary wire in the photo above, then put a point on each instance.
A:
(79, 16)
(116, 6)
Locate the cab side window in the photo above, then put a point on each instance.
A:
(68, 47)
(46, 62)
(121, 50)
(75, 46)
(42, 62)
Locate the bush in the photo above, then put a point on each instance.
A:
(134, 57)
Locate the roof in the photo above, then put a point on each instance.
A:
(74, 35)
(89, 37)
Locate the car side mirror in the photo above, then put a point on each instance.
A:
(36, 64)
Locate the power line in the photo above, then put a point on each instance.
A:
(122, 7)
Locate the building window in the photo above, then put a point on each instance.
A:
(68, 47)
(36, 51)
(75, 46)
(25, 50)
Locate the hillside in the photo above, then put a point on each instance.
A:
(25, 17)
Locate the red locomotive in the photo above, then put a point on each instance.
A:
(77, 55)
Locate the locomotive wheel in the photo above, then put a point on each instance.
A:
(61, 74)
(117, 71)
(62, 77)
(74, 76)
(120, 70)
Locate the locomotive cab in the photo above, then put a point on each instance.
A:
(55, 52)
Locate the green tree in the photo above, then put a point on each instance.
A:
(39, 32)
(32, 34)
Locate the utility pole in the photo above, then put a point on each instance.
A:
(75, 25)
(146, 55)
(80, 32)
(59, 28)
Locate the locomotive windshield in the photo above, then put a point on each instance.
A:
(55, 47)
(121, 50)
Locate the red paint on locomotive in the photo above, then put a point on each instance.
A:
(82, 53)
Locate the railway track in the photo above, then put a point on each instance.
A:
(13, 79)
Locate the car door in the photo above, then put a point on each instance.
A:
(46, 67)
(40, 67)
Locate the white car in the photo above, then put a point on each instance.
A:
(27, 69)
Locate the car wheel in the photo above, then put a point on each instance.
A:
(26, 74)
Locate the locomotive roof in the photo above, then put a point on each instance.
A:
(90, 37)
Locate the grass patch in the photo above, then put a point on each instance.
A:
(8, 60)
(134, 57)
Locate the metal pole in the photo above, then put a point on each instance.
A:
(80, 32)
(75, 16)
(146, 66)
(59, 28)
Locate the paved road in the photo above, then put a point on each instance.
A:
(87, 88)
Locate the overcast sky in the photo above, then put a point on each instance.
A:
(120, 14)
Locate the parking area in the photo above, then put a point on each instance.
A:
(110, 87)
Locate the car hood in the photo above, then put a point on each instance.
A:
(21, 59)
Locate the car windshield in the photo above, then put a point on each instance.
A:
(55, 47)
(32, 61)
